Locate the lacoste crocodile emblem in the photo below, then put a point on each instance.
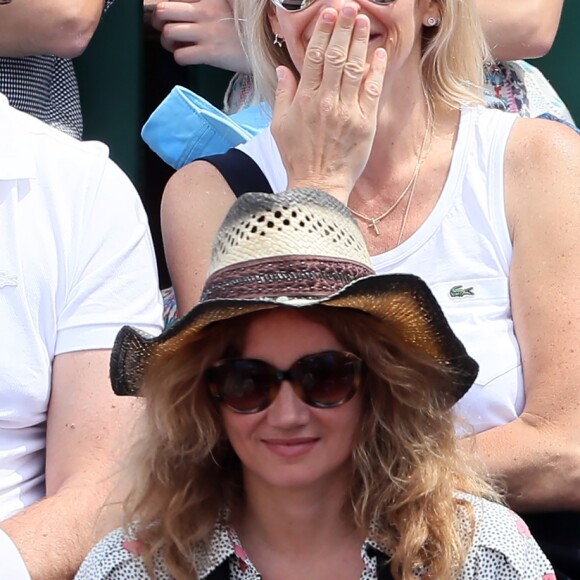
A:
(8, 279)
(461, 292)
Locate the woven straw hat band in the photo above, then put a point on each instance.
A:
(284, 276)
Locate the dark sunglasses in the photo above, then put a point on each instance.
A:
(297, 5)
(322, 380)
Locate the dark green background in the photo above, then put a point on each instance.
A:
(120, 75)
(561, 64)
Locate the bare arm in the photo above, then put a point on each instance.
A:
(195, 202)
(539, 453)
(87, 431)
(60, 27)
(519, 29)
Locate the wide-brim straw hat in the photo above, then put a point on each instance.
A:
(299, 249)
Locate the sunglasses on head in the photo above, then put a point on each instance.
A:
(322, 380)
(297, 5)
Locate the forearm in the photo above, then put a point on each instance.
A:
(54, 535)
(86, 438)
(538, 463)
(519, 29)
(59, 27)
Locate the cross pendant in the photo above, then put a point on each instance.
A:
(373, 224)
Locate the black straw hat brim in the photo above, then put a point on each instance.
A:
(403, 300)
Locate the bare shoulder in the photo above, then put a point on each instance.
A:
(537, 144)
(195, 202)
(542, 163)
(199, 190)
(194, 180)
(196, 195)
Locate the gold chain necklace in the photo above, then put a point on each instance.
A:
(429, 130)
(374, 221)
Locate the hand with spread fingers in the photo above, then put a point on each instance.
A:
(332, 110)
(200, 32)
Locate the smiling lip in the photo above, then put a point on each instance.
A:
(291, 447)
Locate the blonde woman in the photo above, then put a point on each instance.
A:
(299, 422)
(379, 103)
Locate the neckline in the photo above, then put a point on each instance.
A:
(447, 197)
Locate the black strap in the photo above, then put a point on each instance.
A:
(383, 569)
(222, 572)
(240, 171)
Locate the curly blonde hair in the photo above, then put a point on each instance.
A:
(453, 53)
(406, 468)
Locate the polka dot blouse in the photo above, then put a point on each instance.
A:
(502, 549)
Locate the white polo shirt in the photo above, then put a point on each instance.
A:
(76, 263)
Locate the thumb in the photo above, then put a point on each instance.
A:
(285, 91)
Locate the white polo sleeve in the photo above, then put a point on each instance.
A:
(112, 273)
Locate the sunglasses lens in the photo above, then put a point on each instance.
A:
(323, 380)
(293, 5)
(242, 384)
(296, 5)
(328, 379)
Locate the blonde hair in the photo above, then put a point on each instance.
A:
(453, 53)
(406, 469)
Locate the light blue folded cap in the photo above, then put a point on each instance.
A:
(185, 127)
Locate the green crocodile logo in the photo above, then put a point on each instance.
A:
(461, 292)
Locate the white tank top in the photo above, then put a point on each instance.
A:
(463, 251)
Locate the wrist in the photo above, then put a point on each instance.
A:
(337, 189)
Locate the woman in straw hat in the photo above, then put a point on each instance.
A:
(378, 103)
(298, 421)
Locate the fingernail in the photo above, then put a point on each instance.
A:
(361, 23)
(381, 53)
(280, 73)
(349, 11)
(328, 15)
